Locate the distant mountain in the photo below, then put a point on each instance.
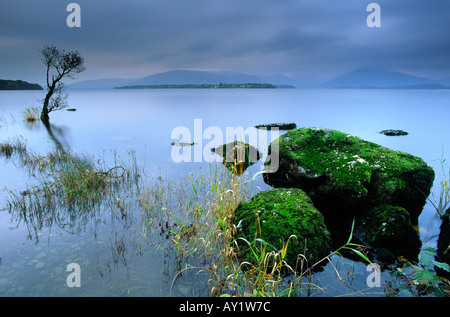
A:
(103, 83)
(181, 77)
(359, 78)
(18, 85)
(379, 78)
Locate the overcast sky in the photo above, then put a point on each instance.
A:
(317, 38)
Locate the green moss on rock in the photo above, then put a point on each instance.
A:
(390, 227)
(275, 215)
(343, 172)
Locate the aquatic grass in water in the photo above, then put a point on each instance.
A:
(6, 149)
(443, 203)
(31, 114)
(82, 182)
(67, 183)
(18, 145)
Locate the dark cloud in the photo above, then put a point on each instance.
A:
(314, 37)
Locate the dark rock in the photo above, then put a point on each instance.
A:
(238, 155)
(280, 126)
(443, 242)
(392, 132)
(383, 255)
(181, 143)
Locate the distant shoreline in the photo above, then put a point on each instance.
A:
(207, 86)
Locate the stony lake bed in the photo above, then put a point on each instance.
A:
(129, 243)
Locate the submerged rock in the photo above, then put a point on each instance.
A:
(347, 175)
(277, 214)
(238, 155)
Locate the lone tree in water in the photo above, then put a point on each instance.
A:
(59, 64)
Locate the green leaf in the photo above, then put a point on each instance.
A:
(430, 251)
(438, 292)
(424, 260)
(261, 240)
(193, 186)
(394, 274)
(441, 265)
(404, 291)
(359, 253)
(426, 277)
(351, 232)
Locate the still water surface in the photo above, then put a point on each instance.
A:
(116, 263)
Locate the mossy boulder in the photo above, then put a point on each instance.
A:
(238, 155)
(390, 227)
(343, 173)
(274, 216)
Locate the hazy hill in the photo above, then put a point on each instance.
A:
(378, 78)
(103, 83)
(178, 77)
(181, 77)
(359, 78)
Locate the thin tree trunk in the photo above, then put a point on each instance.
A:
(45, 118)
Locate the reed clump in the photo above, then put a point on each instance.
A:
(206, 238)
(31, 114)
(209, 236)
(66, 180)
(6, 149)
(17, 145)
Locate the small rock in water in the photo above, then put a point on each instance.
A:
(392, 132)
(280, 126)
(237, 155)
(180, 143)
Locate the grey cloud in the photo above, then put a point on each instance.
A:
(320, 37)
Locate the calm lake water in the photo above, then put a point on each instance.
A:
(113, 260)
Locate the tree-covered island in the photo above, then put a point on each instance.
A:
(18, 85)
(200, 86)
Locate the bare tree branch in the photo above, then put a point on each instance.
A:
(59, 65)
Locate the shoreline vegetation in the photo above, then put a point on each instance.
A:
(206, 86)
